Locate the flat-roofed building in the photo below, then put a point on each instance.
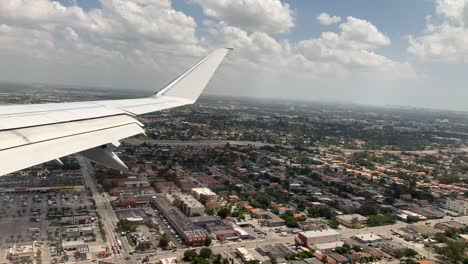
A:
(188, 205)
(278, 250)
(198, 193)
(368, 238)
(318, 237)
(203, 221)
(22, 252)
(449, 224)
(141, 241)
(78, 245)
(172, 260)
(352, 220)
(245, 254)
(458, 205)
(269, 218)
(190, 233)
(76, 220)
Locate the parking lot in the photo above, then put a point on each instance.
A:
(27, 216)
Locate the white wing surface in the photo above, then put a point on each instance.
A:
(34, 134)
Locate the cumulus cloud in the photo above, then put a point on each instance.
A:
(326, 20)
(270, 16)
(351, 50)
(120, 27)
(125, 39)
(446, 41)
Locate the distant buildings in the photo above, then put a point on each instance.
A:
(458, 205)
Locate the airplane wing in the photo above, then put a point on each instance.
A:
(37, 133)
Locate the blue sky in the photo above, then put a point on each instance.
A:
(398, 52)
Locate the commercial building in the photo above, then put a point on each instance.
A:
(22, 252)
(141, 241)
(76, 220)
(190, 233)
(198, 193)
(269, 218)
(457, 205)
(352, 220)
(449, 224)
(368, 238)
(203, 221)
(241, 232)
(276, 250)
(172, 260)
(72, 232)
(222, 232)
(188, 205)
(78, 245)
(245, 255)
(318, 237)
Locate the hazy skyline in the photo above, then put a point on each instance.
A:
(399, 52)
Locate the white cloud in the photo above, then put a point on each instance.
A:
(326, 19)
(350, 51)
(124, 40)
(119, 23)
(270, 16)
(447, 41)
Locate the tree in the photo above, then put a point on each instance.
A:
(190, 255)
(333, 223)
(273, 260)
(206, 253)
(164, 241)
(209, 211)
(208, 241)
(224, 212)
(455, 250)
(412, 219)
(217, 259)
(200, 260)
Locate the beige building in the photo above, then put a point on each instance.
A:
(457, 205)
(206, 192)
(22, 252)
(352, 220)
(318, 237)
(188, 205)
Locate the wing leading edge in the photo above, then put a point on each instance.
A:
(34, 134)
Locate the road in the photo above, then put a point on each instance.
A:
(104, 208)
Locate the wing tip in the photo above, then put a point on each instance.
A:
(221, 52)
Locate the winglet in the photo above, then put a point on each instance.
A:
(190, 84)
